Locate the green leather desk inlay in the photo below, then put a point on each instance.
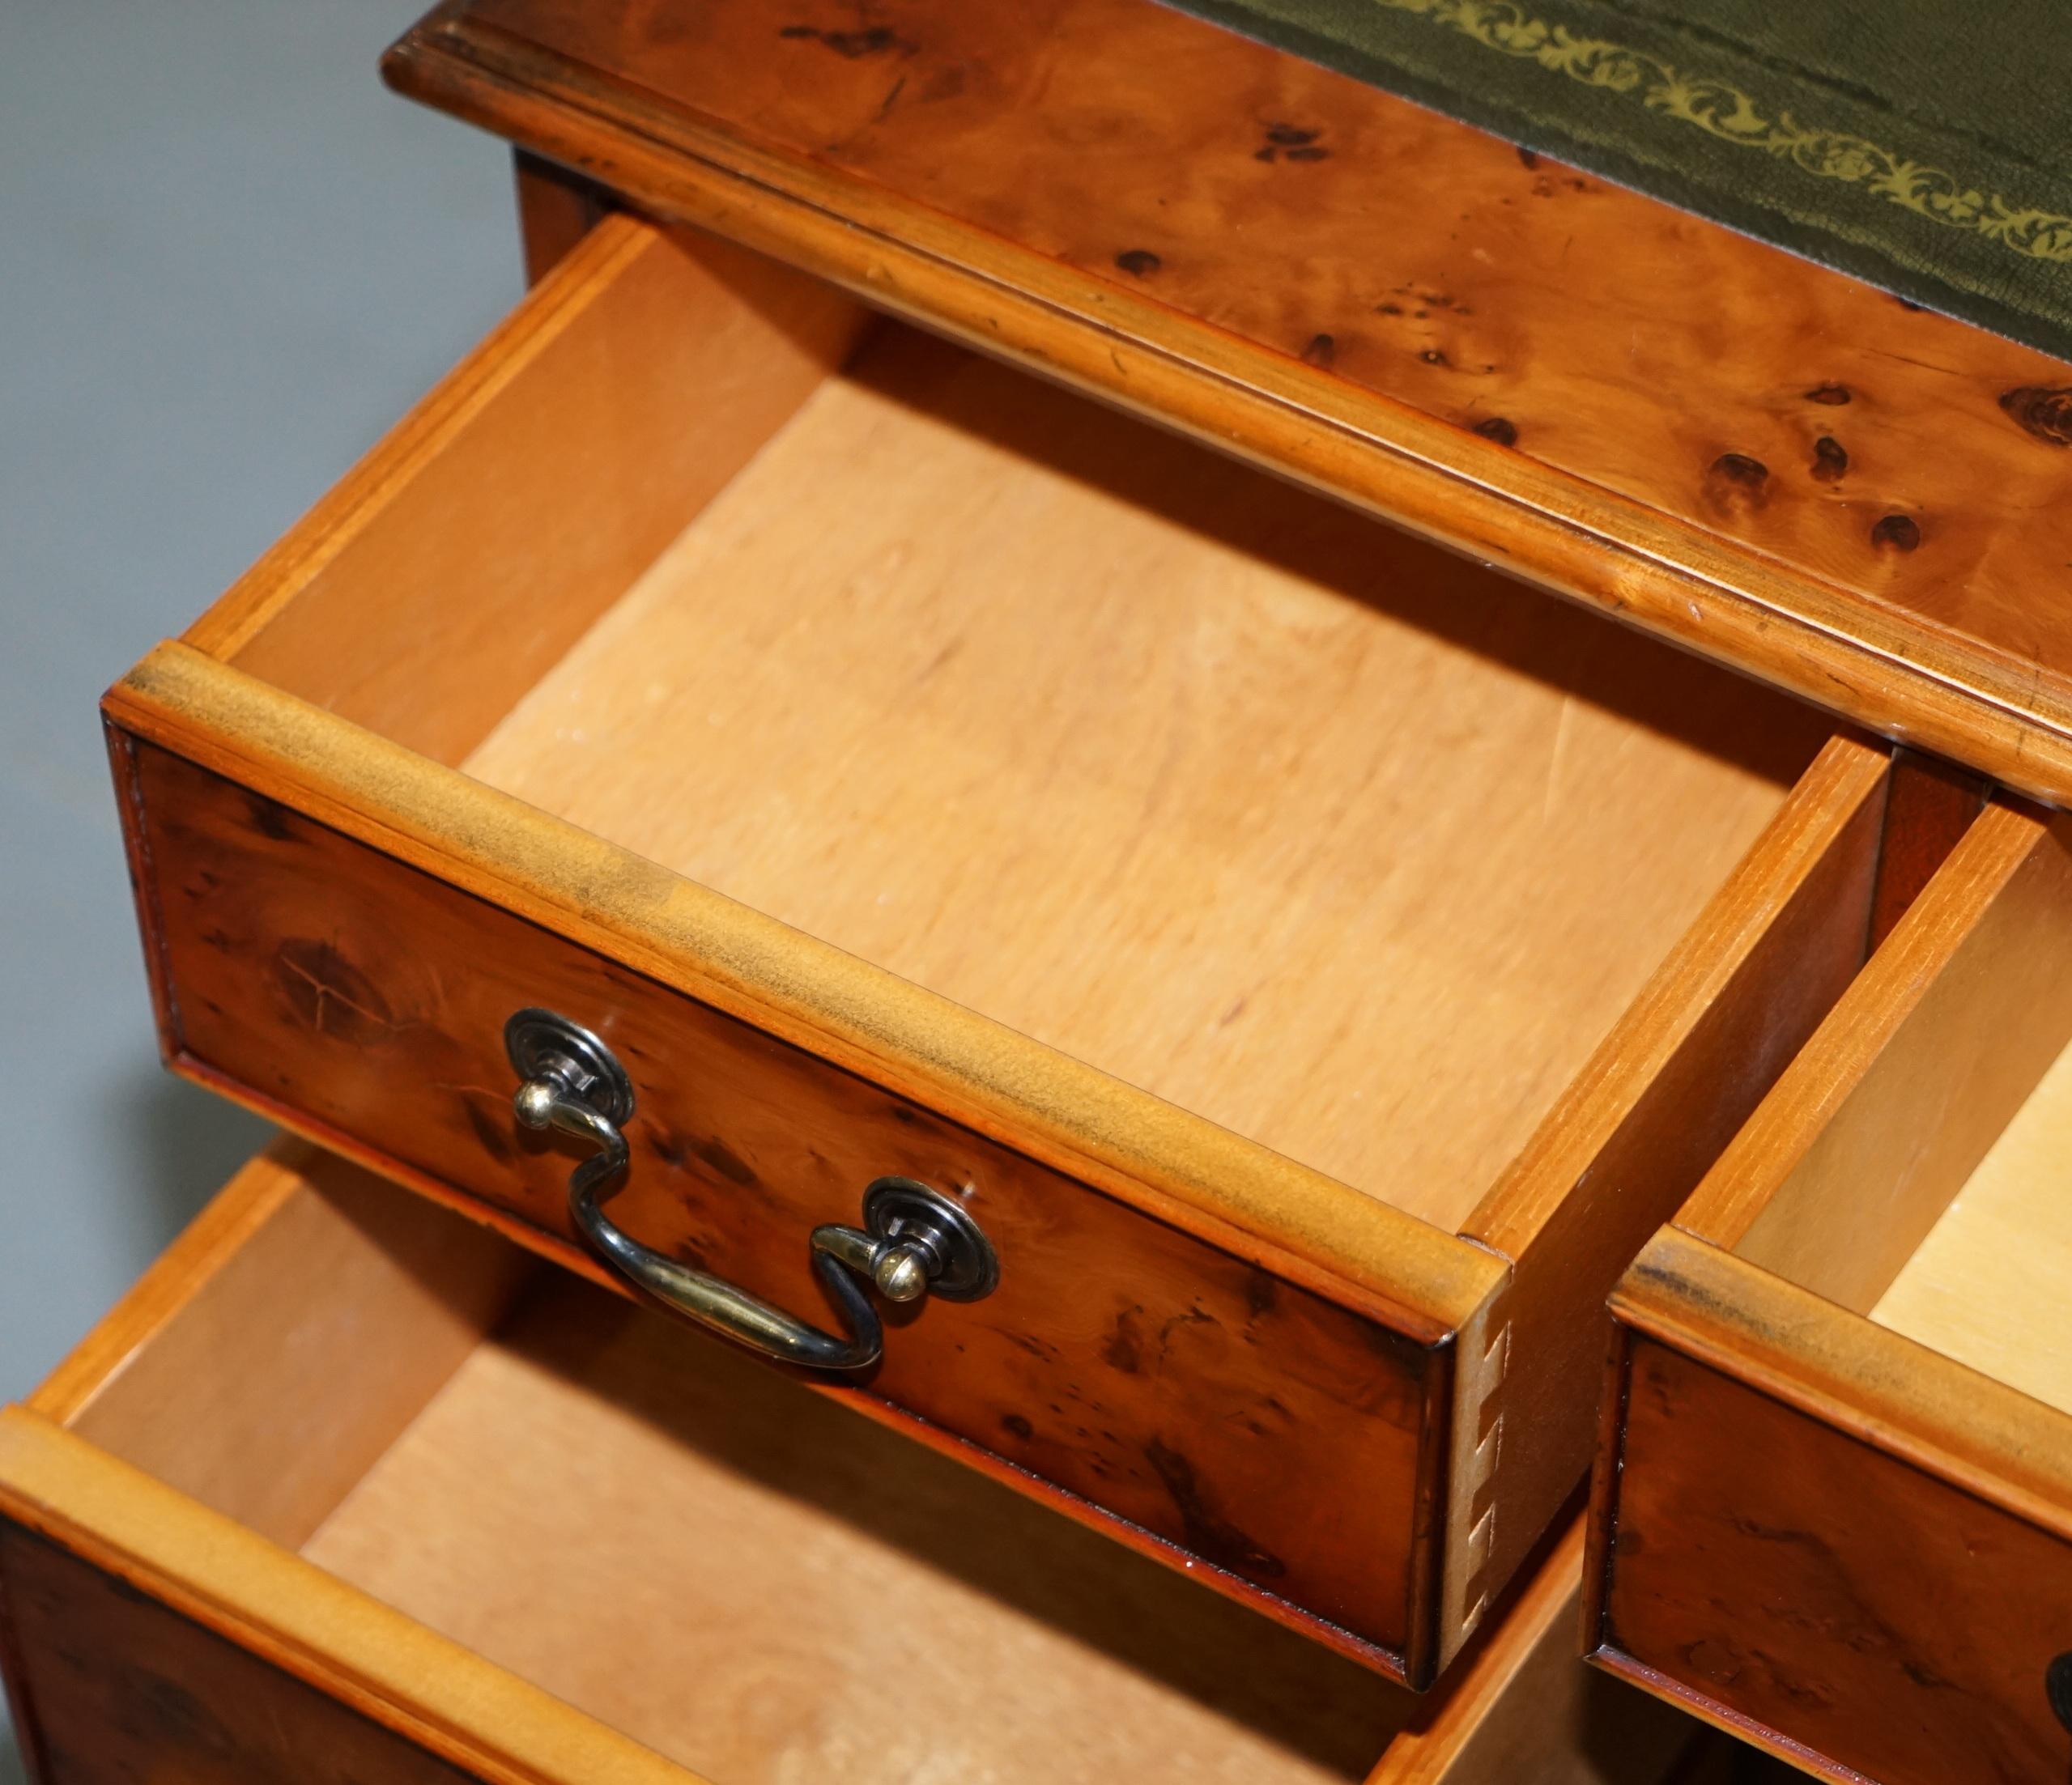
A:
(1921, 144)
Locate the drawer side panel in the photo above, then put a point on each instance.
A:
(1227, 1417)
(1821, 1594)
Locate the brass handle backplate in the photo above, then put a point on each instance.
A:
(914, 1241)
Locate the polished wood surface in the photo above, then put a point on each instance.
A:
(1806, 1525)
(376, 1041)
(782, 1563)
(156, 1544)
(556, 210)
(119, 1689)
(1588, 845)
(1341, 843)
(1931, 805)
(234, 695)
(269, 1356)
(1775, 464)
(1868, 1617)
(1181, 1388)
(243, 1207)
(1520, 1709)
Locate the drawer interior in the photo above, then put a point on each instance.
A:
(1911, 1162)
(1831, 1507)
(740, 1574)
(1351, 846)
(1988, 1284)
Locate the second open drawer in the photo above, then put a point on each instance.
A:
(1314, 962)
(349, 1489)
(1834, 1508)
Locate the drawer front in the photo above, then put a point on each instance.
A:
(1774, 1556)
(1178, 1389)
(115, 1687)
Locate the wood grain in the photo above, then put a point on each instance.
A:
(266, 1388)
(1522, 1710)
(1833, 807)
(1931, 805)
(1434, 638)
(556, 210)
(784, 1559)
(1294, 1223)
(1638, 743)
(739, 1518)
(1090, 185)
(658, 926)
(1885, 1625)
(764, 1588)
(1818, 1534)
(1666, 1090)
(1807, 1528)
(121, 1690)
(124, 1687)
(426, 591)
(1876, 1125)
(1346, 845)
(1180, 1388)
(156, 1544)
(1987, 1286)
(244, 1206)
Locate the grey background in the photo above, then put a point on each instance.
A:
(229, 257)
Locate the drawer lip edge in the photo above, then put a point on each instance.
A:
(1870, 1384)
(1416, 1666)
(441, 1696)
(1175, 1165)
(1870, 1398)
(340, 1641)
(210, 831)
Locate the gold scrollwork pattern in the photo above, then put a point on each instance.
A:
(1729, 114)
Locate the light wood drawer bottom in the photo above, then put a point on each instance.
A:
(349, 1488)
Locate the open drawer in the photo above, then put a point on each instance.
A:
(1834, 1508)
(350, 1488)
(1311, 963)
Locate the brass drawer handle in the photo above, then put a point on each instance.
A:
(913, 1239)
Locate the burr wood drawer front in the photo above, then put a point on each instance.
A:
(1833, 1511)
(1200, 1401)
(1181, 993)
(350, 1488)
